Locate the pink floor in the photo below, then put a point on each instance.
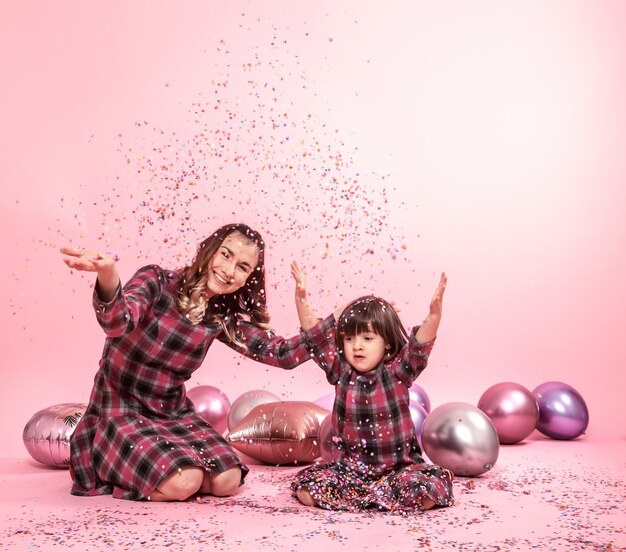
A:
(541, 495)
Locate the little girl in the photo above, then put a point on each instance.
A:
(369, 358)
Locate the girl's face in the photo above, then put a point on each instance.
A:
(231, 265)
(364, 351)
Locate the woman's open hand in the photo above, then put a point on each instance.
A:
(85, 260)
(299, 275)
(88, 261)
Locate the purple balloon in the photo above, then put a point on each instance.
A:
(563, 413)
(418, 415)
(328, 449)
(512, 409)
(326, 401)
(419, 396)
(211, 404)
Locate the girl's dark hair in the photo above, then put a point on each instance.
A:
(249, 300)
(370, 313)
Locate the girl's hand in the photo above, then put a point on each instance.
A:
(437, 300)
(299, 275)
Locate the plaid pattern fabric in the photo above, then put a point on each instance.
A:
(379, 463)
(371, 420)
(140, 426)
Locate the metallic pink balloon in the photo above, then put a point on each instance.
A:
(418, 395)
(284, 432)
(211, 404)
(461, 438)
(418, 415)
(328, 449)
(512, 409)
(243, 404)
(563, 413)
(47, 434)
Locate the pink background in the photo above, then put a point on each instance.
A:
(376, 145)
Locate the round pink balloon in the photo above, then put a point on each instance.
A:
(243, 404)
(418, 415)
(47, 434)
(512, 409)
(419, 396)
(211, 404)
(328, 449)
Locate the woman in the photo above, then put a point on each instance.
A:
(140, 437)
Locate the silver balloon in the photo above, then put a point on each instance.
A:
(512, 409)
(212, 404)
(243, 404)
(47, 434)
(461, 438)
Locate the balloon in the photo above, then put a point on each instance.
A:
(418, 395)
(211, 404)
(326, 401)
(512, 410)
(418, 415)
(328, 449)
(243, 404)
(47, 434)
(285, 432)
(460, 437)
(563, 413)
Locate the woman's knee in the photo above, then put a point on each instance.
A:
(224, 483)
(182, 484)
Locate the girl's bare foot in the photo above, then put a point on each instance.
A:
(305, 497)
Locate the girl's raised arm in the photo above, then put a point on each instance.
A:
(428, 329)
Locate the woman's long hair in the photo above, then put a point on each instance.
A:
(371, 313)
(249, 300)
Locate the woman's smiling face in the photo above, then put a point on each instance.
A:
(233, 262)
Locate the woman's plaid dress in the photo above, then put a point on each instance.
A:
(139, 426)
(379, 462)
